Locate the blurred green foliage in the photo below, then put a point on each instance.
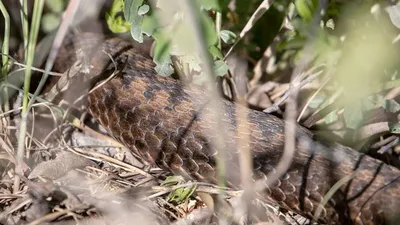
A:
(52, 18)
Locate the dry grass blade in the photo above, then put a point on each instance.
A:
(103, 158)
(262, 8)
(331, 192)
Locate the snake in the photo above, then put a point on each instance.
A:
(172, 125)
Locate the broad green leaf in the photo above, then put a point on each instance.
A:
(228, 36)
(149, 25)
(141, 23)
(353, 115)
(215, 52)
(131, 8)
(209, 30)
(136, 29)
(305, 8)
(220, 68)
(164, 68)
(161, 47)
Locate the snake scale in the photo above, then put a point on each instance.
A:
(171, 125)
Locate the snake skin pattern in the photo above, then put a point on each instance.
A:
(171, 125)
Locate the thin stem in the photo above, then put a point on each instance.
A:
(218, 22)
(4, 47)
(24, 21)
(37, 14)
(5, 51)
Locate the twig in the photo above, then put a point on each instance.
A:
(312, 97)
(294, 85)
(15, 62)
(387, 147)
(101, 157)
(55, 215)
(262, 8)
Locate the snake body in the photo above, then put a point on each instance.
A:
(171, 125)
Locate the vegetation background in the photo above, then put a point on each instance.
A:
(332, 66)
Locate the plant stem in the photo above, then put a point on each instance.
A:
(24, 21)
(37, 14)
(5, 45)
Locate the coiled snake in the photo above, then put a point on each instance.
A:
(168, 125)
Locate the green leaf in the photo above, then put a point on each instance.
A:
(143, 9)
(228, 36)
(140, 22)
(149, 25)
(305, 8)
(388, 104)
(331, 117)
(220, 68)
(215, 52)
(56, 6)
(115, 22)
(181, 194)
(131, 8)
(50, 22)
(209, 4)
(136, 29)
(172, 180)
(162, 47)
(295, 43)
(117, 25)
(117, 7)
(210, 33)
(164, 67)
(353, 115)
